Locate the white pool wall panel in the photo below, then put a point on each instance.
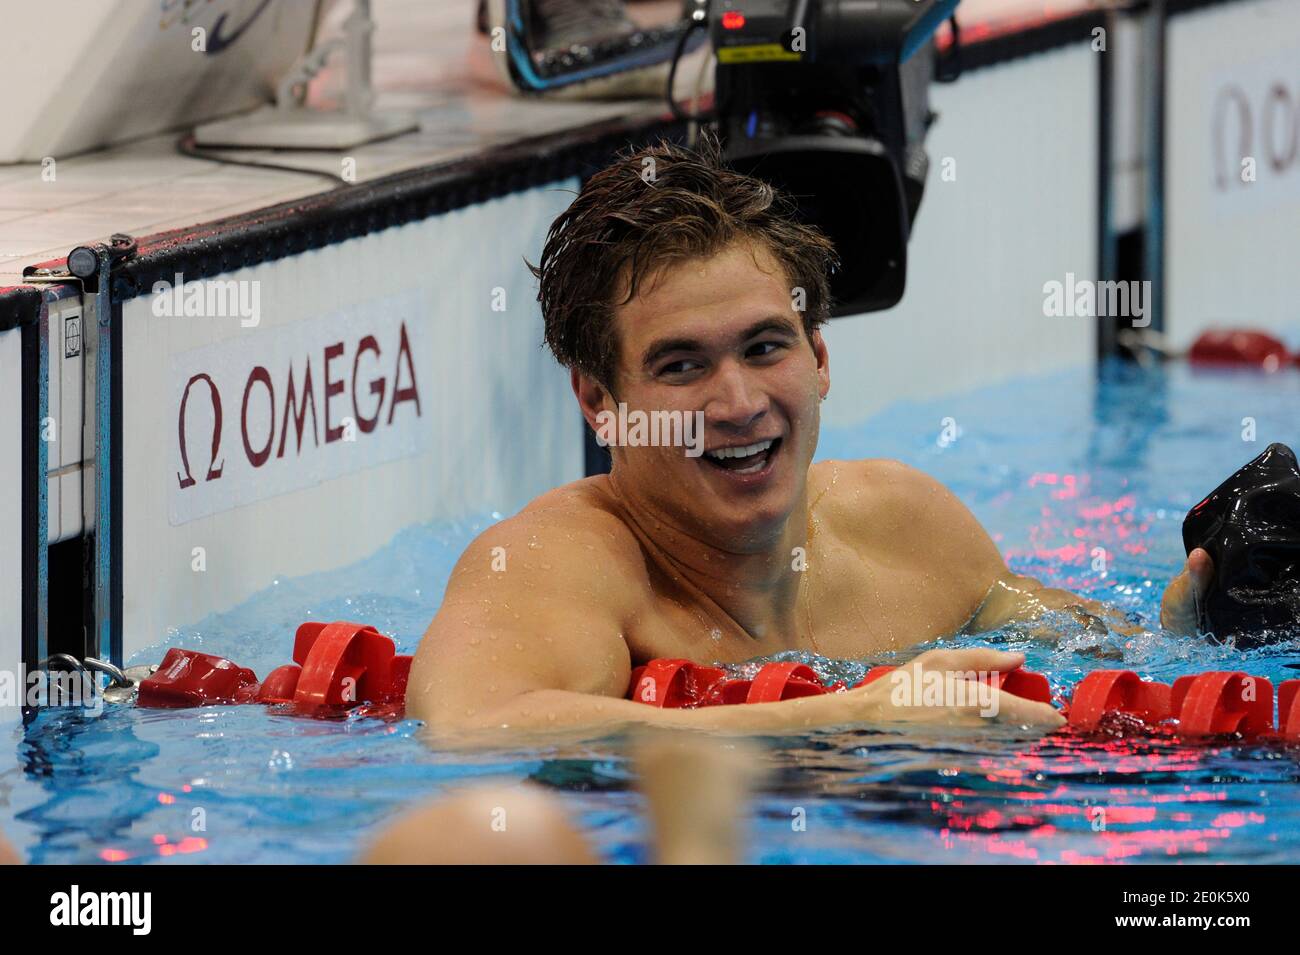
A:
(1231, 244)
(497, 422)
(1022, 210)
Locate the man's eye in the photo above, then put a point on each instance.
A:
(763, 349)
(679, 367)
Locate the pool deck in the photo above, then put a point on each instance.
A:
(427, 60)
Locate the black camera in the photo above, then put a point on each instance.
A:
(828, 100)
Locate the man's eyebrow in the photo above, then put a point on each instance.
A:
(657, 349)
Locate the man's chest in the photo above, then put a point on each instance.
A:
(849, 605)
(856, 604)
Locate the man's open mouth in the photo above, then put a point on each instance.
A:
(746, 459)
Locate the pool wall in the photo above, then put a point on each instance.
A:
(985, 241)
(42, 345)
(430, 398)
(13, 544)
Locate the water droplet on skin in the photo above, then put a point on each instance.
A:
(715, 634)
(534, 543)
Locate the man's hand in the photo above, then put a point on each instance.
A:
(945, 688)
(1179, 611)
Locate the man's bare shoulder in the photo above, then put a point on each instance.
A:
(586, 511)
(892, 507)
(860, 493)
(882, 471)
(572, 537)
(558, 583)
(887, 500)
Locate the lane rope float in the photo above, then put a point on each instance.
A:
(345, 667)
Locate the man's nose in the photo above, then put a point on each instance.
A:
(737, 400)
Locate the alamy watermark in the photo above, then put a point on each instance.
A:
(76, 907)
(638, 429)
(209, 298)
(915, 686)
(68, 688)
(1085, 298)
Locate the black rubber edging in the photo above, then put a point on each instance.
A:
(32, 528)
(1173, 7)
(1037, 39)
(20, 306)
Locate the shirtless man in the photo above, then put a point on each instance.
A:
(680, 291)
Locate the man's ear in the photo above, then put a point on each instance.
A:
(823, 363)
(592, 397)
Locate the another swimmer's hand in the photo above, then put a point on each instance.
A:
(1179, 611)
(951, 688)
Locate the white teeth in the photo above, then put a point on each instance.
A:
(744, 452)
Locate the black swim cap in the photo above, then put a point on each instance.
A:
(1250, 525)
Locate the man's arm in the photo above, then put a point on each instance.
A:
(529, 638)
(1015, 598)
(964, 550)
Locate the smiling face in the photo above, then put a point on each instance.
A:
(719, 336)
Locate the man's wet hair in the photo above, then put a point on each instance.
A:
(652, 208)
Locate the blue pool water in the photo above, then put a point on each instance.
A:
(1055, 467)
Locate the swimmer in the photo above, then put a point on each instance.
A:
(483, 825)
(694, 790)
(673, 285)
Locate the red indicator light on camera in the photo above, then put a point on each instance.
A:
(733, 20)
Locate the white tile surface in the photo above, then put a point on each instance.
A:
(428, 59)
